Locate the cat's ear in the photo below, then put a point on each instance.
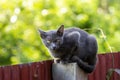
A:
(42, 33)
(60, 30)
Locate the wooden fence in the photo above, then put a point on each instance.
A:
(105, 62)
(31, 71)
(42, 70)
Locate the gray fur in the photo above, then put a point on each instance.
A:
(72, 45)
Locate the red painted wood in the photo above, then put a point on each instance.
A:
(116, 65)
(104, 64)
(102, 67)
(48, 70)
(38, 70)
(46, 75)
(7, 73)
(34, 68)
(109, 62)
(42, 70)
(91, 76)
(24, 72)
(15, 72)
(97, 71)
(95, 74)
(1, 73)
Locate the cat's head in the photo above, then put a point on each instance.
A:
(53, 38)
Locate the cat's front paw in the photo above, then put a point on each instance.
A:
(63, 62)
(56, 60)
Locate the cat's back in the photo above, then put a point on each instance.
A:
(70, 30)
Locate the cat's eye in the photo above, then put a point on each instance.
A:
(48, 41)
(57, 40)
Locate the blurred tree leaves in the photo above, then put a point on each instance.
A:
(19, 20)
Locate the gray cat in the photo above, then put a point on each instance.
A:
(71, 45)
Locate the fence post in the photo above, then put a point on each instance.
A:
(68, 71)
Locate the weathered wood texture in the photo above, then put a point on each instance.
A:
(43, 70)
(69, 71)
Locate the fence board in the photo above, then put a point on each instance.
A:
(105, 62)
(109, 62)
(35, 71)
(42, 70)
(15, 72)
(7, 73)
(102, 68)
(1, 73)
(91, 76)
(24, 72)
(116, 65)
(37, 68)
(48, 70)
(97, 72)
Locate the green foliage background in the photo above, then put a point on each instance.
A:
(19, 20)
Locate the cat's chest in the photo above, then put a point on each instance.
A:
(66, 45)
(64, 49)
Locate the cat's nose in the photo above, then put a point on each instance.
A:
(54, 48)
